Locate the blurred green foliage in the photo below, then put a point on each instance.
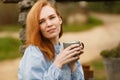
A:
(9, 48)
(92, 22)
(112, 53)
(105, 7)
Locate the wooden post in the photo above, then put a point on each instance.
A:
(88, 74)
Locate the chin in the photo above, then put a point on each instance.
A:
(51, 36)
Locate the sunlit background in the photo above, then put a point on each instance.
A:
(96, 24)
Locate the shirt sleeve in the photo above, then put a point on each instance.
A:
(78, 74)
(33, 66)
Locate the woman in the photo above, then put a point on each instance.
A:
(44, 57)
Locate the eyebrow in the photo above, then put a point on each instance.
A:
(48, 16)
(41, 20)
(52, 15)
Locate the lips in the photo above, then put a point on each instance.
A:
(51, 30)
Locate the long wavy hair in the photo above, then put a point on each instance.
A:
(33, 32)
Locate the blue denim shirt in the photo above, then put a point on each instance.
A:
(34, 66)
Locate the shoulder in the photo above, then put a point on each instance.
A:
(33, 50)
(32, 54)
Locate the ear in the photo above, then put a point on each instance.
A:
(60, 19)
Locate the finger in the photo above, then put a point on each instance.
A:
(81, 52)
(81, 45)
(71, 59)
(76, 60)
(73, 54)
(74, 49)
(72, 46)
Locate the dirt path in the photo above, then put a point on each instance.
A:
(9, 34)
(95, 40)
(8, 69)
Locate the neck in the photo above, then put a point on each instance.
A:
(55, 41)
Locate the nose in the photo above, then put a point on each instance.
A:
(49, 23)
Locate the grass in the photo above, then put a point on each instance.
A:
(9, 48)
(92, 22)
(99, 70)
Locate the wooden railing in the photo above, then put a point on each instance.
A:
(88, 74)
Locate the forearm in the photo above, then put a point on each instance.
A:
(77, 74)
(35, 73)
(53, 73)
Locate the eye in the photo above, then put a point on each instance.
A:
(41, 21)
(52, 17)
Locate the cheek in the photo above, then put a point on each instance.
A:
(59, 29)
(59, 26)
(42, 29)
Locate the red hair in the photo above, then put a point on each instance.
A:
(33, 33)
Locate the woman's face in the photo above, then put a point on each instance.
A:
(50, 22)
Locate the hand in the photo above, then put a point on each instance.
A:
(67, 55)
(72, 64)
